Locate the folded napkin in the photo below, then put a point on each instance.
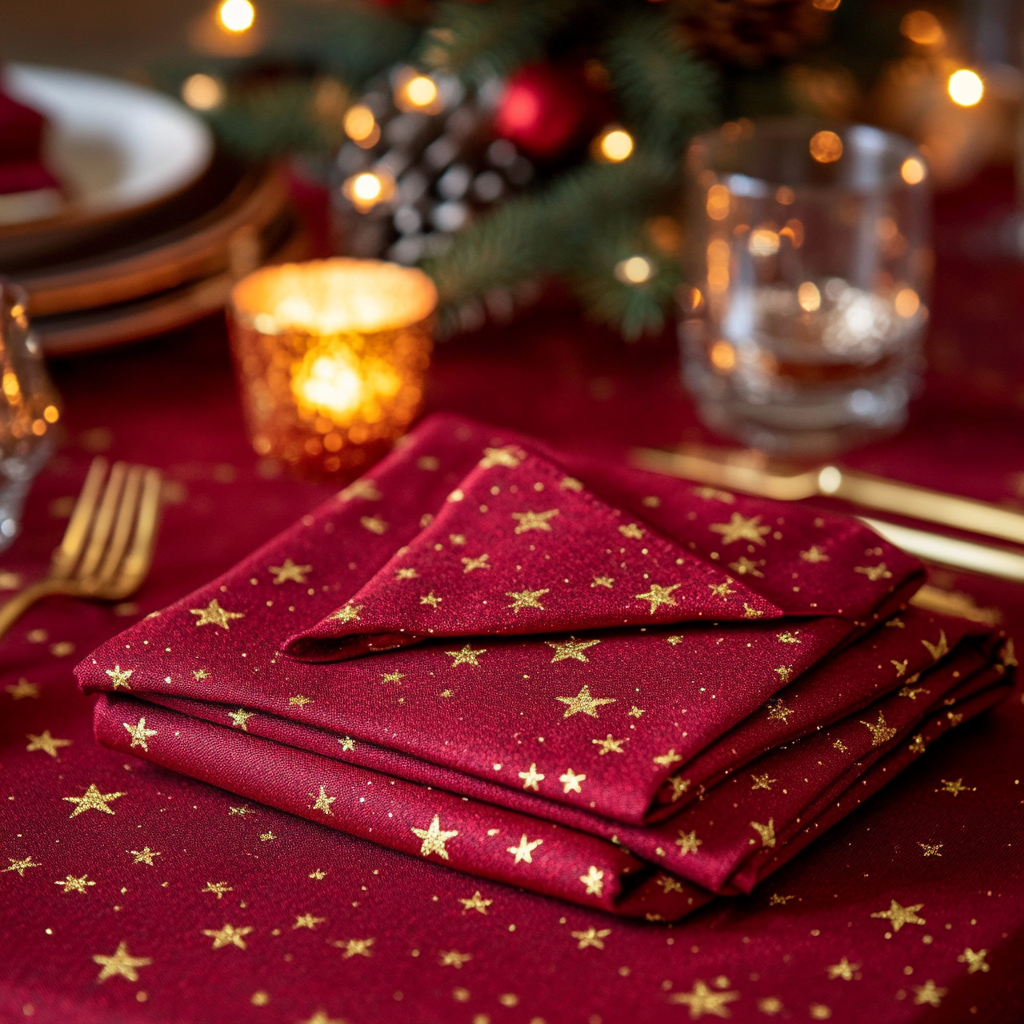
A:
(584, 680)
(21, 146)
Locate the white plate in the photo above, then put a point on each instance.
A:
(114, 145)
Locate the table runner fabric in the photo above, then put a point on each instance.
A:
(459, 754)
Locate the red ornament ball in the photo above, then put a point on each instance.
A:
(542, 110)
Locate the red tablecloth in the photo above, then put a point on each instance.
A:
(125, 916)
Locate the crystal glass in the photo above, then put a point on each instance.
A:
(809, 247)
(29, 410)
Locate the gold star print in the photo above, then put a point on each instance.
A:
(1008, 655)
(777, 710)
(21, 866)
(239, 718)
(928, 993)
(635, 712)
(785, 673)
(267, 836)
(631, 532)
(361, 488)
(975, 961)
(23, 688)
(583, 702)
(375, 524)
(144, 856)
(739, 528)
(217, 888)
(874, 572)
(350, 613)
(814, 555)
(722, 590)
(844, 969)
(241, 811)
(534, 520)
(881, 732)
(751, 613)
(531, 778)
(214, 615)
(470, 564)
(899, 916)
(940, 649)
(318, 875)
(669, 759)
(658, 596)
(593, 880)
(467, 656)
(300, 701)
(956, 787)
(452, 958)
(323, 802)
(743, 566)
(591, 937)
(912, 691)
(669, 884)
(931, 849)
(688, 842)
(524, 851)
(917, 744)
(289, 571)
(434, 838)
(571, 781)
(766, 832)
(347, 743)
(777, 900)
(787, 638)
(509, 456)
(121, 962)
(841, 746)
(120, 676)
(139, 734)
(679, 786)
(431, 599)
(609, 745)
(407, 574)
(320, 1017)
(307, 921)
(570, 483)
(526, 599)
(229, 935)
(762, 781)
(395, 677)
(200, 674)
(571, 648)
(602, 581)
(704, 1000)
(900, 666)
(91, 800)
(72, 884)
(45, 742)
(714, 494)
(475, 902)
(354, 947)
(675, 641)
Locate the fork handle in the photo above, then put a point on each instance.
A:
(13, 609)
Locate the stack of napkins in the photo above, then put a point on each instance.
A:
(581, 679)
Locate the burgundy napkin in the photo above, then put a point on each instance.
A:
(21, 142)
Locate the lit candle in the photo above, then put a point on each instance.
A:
(331, 355)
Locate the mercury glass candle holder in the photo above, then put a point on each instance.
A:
(331, 357)
(811, 257)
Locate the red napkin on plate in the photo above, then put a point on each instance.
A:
(21, 146)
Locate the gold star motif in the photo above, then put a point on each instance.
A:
(120, 676)
(658, 596)
(777, 710)
(508, 456)
(762, 781)
(631, 531)
(534, 520)
(609, 745)
(975, 961)
(704, 1000)
(931, 849)
(766, 832)
(289, 571)
(602, 581)
(787, 638)
(320, 1017)
(475, 902)
(635, 712)
(524, 851)
(743, 566)
(349, 613)
(214, 615)
(679, 786)
(714, 494)
(777, 900)
(144, 856)
(688, 842)
(785, 673)
(240, 811)
(940, 649)
(571, 781)
(229, 935)
(955, 786)
(72, 884)
(675, 641)
(217, 888)
(814, 555)
(571, 648)
(434, 838)
(526, 599)
(470, 564)
(375, 524)
(751, 613)
(361, 488)
(583, 702)
(722, 590)
(928, 993)
(467, 656)
(900, 666)
(593, 880)
(307, 921)
(895, 623)
(1008, 655)
(899, 916)
(139, 734)
(844, 969)
(267, 836)
(669, 759)
(739, 528)
(323, 802)
(840, 746)
(45, 742)
(354, 947)
(531, 778)
(121, 962)
(874, 572)
(912, 691)
(394, 677)
(200, 674)
(21, 866)
(591, 937)
(452, 958)
(92, 800)
(239, 718)
(570, 483)
(670, 884)
(917, 744)
(431, 599)
(23, 688)
(347, 743)
(407, 574)
(881, 732)
(299, 700)
(318, 875)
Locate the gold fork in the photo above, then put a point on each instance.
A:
(108, 545)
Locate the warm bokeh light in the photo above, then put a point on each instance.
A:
(808, 297)
(718, 202)
(794, 231)
(965, 87)
(923, 28)
(359, 123)
(236, 15)
(420, 91)
(51, 414)
(826, 147)
(763, 242)
(368, 188)
(615, 145)
(722, 356)
(718, 254)
(913, 170)
(635, 270)
(826, 5)
(906, 303)
(785, 196)
(202, 92)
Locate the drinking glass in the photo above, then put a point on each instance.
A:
(809, 250)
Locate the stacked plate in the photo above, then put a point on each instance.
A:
(157, 224)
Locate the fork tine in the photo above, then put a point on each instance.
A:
(71, 546)
(136, 563)
(103, 522)
(124, 522)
